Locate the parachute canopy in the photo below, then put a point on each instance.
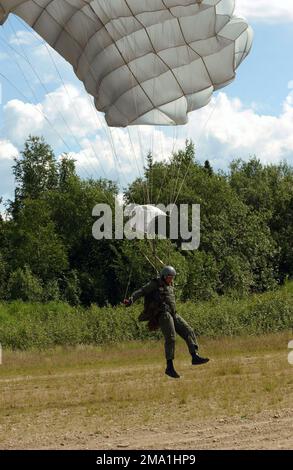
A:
(143, 61)
(143, 218)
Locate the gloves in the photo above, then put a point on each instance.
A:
(128, 302)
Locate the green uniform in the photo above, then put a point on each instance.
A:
(160, 309)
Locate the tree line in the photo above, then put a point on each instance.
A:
(47, 251)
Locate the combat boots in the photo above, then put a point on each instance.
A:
(171, 371)
(197, 360)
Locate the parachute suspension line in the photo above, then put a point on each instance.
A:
(106, 130)
(154, 263)
(151, 169)
(187, 139)
(177, 178)
(134, 152)
(150, 262)
(45, 117)
(144, 255)
(166, 171)
(154, 251)
(24, 56)
(37, 109)
(147, 191)
(150, 182)
(176, 104)
(188, 45)
(73, 105)
(109, 131)
(153, 135)
(20, 68)
(128, 283)
(133, 148)
(122, 146)
(137, 164)
(199, 140)
(139, 139)
(133, 82)
(173, 192)
(88, 175)
(116, 157)
(166, 163)
(174, 187)
(110, 140)
(175, 138)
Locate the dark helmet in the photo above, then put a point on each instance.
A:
(168, 271)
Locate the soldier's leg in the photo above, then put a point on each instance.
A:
(166, 323)
(186, 332)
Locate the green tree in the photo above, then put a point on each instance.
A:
(35, 172)
(71, 209)
(238, 249)
(23, 285)
(36, 243)
(268, 189)
(208, 167)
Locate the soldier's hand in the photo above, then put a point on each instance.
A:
(128, 302)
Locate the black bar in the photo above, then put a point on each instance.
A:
(126, 459)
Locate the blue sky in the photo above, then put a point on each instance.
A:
(254, 115)
(264, 76)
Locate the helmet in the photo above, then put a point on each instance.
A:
(168, 271)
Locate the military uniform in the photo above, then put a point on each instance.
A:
(160, 310)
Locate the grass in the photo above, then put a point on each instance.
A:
(34, 325)
(66, 396)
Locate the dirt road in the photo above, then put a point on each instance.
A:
(109, 399)
(266, 431)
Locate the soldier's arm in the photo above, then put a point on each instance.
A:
(146, 289)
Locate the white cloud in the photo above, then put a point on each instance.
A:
(7, 152)
(235, 130)
(266, 10)
(224, 130)
(23, 38)
(68, 115)
(63, 112)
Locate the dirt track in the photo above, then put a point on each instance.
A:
(267, 431)
(243, 400)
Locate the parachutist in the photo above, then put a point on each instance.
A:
(160, 312)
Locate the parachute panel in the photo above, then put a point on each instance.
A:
(143, 61)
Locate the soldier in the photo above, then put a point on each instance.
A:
(160, 312)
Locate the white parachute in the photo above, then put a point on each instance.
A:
(143, 218)
(143, 61)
